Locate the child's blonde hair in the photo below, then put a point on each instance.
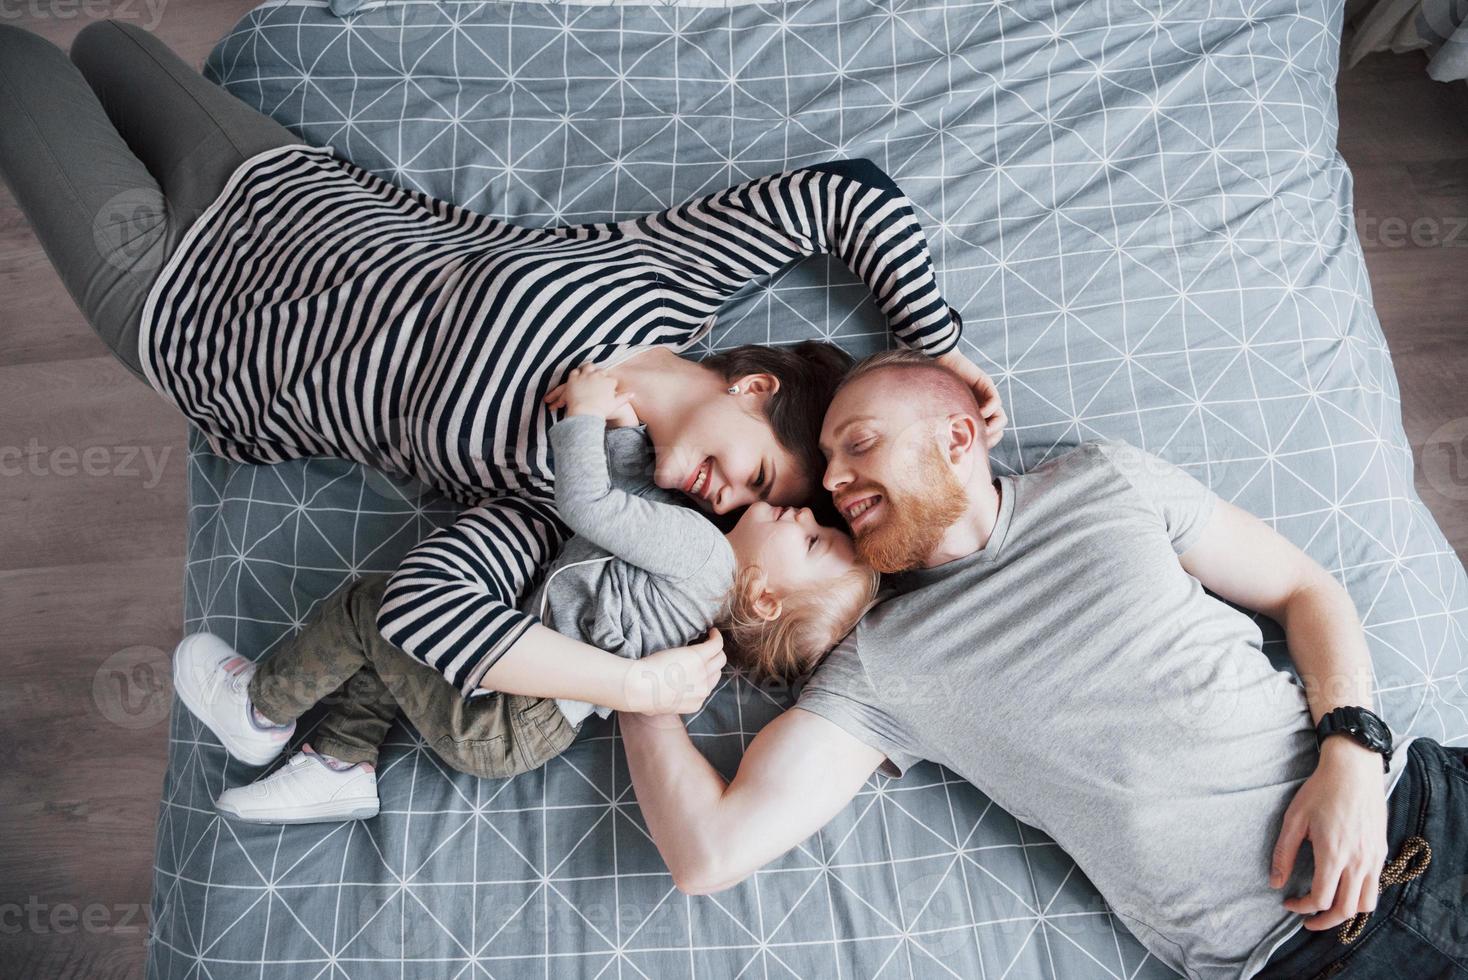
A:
(810, 622)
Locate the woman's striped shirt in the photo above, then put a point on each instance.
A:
(316, 309)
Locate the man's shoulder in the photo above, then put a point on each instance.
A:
(1097, 459)
(1113, 473)
(868, 638)
(838, 668)
(841, 691)
(1091, 453)
(1131, 464)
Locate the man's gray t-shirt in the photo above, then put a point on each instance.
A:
(1074, 672)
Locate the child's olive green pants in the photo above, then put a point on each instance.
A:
(342, 661)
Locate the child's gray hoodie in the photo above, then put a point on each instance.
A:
(643, 572)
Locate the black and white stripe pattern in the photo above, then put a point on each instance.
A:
(316, 309)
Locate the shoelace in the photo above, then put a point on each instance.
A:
(1411, 861)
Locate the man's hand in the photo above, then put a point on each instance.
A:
(988, 396)
(1341, 810)
(592, 391)
(675, 681)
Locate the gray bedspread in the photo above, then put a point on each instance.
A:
(1140, 212)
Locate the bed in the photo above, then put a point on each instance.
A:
(1139, 210)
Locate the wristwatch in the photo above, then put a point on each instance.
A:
(1361, 725)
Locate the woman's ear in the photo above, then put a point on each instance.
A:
(758, 384)
(767, 606)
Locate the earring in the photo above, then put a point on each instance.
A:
(733, 389)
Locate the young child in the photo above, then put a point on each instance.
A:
(642, 574)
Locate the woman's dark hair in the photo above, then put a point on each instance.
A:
(808, 374)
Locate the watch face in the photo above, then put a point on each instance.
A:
(1376, 733)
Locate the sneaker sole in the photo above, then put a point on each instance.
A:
(316, 813)
(234, 750)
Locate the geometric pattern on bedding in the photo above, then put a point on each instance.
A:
(1140, 213)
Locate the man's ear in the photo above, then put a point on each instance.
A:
(961, 435)
(767, 606)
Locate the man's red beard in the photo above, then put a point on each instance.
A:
(918, 513)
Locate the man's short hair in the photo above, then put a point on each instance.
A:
(944, 391)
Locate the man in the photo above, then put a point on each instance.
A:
(1048, 637)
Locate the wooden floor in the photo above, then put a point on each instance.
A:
(91, 598)
(91, 563)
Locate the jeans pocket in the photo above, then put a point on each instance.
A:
(486, 758)
(1435, 904)
(542, 733)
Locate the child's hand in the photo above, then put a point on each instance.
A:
(591, 391)
(676, 681)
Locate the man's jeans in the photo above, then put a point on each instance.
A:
(1420, 927)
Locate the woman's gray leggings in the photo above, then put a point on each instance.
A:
(113, 157)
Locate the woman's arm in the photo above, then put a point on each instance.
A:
(848, 208)
(450, 604)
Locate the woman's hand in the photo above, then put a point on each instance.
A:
(988, 396)
(592, 391)
(675, 681)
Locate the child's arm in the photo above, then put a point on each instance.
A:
(660, 538)
(596, 393)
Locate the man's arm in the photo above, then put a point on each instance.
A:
(1341, 808)
(797, 774)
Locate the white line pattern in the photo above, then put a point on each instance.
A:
(1140, 213)
(315, 309)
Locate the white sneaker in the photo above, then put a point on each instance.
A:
(304, 790)
(214, 683)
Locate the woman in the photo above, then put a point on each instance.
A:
(293, 304)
